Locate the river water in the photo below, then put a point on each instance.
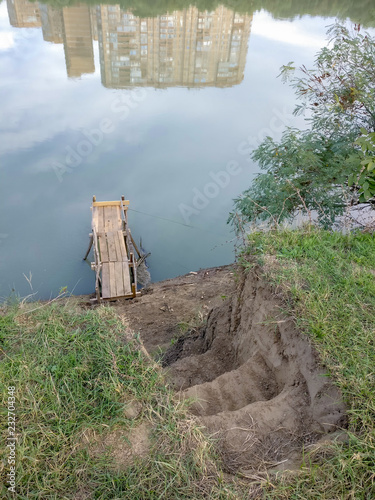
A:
(162, 106)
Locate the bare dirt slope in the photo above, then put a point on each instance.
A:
(256, 381)
(167, 308)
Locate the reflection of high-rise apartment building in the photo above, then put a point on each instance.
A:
(94, 23)
(69, 25)
(78, 47)
(52, 23)
(183, 48)
(186, 48)
(23, 14)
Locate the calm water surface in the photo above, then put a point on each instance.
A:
(162, 107)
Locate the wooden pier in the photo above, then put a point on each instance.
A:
(115, 263)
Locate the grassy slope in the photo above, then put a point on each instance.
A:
(75, 373)
(328, 280)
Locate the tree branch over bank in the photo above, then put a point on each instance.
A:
(329, 166)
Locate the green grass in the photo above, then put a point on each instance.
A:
(75, 374)
(328, 283)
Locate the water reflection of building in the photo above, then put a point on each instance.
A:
(186, 48)
(183, 48)
(69, 25)
(52, 23)
(94, 23)
(78, 47)
(23, 14)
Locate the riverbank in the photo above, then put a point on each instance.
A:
(286, 336)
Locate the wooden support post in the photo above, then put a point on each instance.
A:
(123, 213)
(97, 282)
(124, 209)
(90, 245)
(133, 265)
(94, 198)
(134, 244)
(134, 284)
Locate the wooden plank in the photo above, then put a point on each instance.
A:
(118, 223)
(105, 223)
(109, 203)
(106, 292)
(112, 211)
(126, 278)
(101, 219)
(104, 257)
(118, 247)
(107, 219)
(112, 280)
(111, 218)
(97, 219)
(119, 279)
(130, 296)
(123, 256)
(111, 240)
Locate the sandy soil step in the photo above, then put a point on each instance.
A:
(252, 381)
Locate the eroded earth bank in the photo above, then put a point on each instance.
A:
(257, 383)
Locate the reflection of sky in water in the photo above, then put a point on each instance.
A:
(167, 146)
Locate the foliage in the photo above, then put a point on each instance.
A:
(327, 282)
(365, 180)
(321, 168)
(362, 11)
(307, 170)
(339, 92)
